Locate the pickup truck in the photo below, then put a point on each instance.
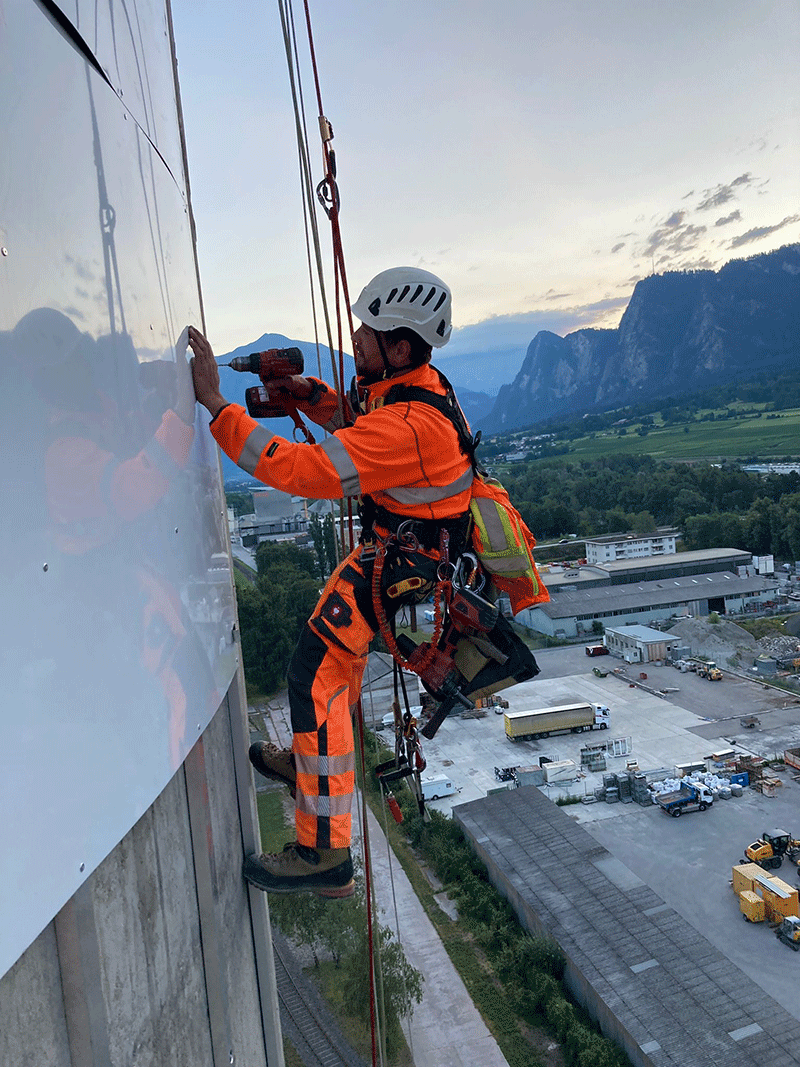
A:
(694, 797)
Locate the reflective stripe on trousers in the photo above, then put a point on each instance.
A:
(324, 680)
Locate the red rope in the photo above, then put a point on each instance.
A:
(340, 279)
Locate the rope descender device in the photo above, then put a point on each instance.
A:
(408, 762)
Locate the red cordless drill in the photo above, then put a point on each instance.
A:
(269, 365)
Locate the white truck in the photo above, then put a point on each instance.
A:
(541, 722)
(692, 796)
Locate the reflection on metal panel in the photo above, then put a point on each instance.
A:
(130, 40)
(116, 639)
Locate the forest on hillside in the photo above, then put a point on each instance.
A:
(754, 398)
(715, 506)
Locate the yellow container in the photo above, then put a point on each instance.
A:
(751, 906)
(744, 875)
(780, 900)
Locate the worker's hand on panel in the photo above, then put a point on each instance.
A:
(205, 374)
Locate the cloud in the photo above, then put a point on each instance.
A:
(672, 237)
(616, 248)
(721, 194)
(735, 216)
(762, 231)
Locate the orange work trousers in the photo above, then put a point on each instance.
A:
(324, 679)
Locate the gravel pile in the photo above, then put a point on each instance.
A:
(780, 646)
(723, 641)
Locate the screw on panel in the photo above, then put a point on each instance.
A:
(4, 251)
(82, 868)
(176, 529)
(45, 566)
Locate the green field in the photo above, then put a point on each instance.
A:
(767, 438)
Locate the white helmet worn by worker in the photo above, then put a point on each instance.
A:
(410, 297)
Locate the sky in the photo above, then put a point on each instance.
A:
(540, 157)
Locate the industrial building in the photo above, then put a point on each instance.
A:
(648, 591)
(640, 644)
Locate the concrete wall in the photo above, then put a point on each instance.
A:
(162, 958)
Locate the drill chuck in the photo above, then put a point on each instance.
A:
(274, 363)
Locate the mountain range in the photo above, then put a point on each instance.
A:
(681, 332)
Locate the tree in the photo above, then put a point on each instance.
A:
(284, 554)
(242, 503)
(318, 537)
(303, 918)
(642, 522)
(329, 536)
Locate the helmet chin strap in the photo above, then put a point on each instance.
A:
(388, 369)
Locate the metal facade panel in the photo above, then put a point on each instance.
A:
(131, 41)
(117, 639)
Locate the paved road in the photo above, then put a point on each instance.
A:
(446, 1029)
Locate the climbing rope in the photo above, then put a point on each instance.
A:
(328, 194)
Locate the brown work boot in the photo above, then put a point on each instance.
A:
(328, 872)
(273, 762)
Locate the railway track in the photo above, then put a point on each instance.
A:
(305, 1019)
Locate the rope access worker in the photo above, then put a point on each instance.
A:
(405, 460)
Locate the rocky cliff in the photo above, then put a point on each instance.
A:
(681, 332)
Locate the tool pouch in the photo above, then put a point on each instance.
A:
(504, 544)
(484, 675)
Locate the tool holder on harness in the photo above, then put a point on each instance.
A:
(408, 761)
(496, 657)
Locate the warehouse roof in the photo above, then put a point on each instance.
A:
(666, 592)
(733, 557)
(642, 633)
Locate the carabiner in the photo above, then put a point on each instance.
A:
(406, 536)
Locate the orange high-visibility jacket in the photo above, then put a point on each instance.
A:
(406, 456)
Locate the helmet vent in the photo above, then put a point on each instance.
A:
(417, 291)
(391, 296)
(441, 328)
(439, 302)
(430, 295)
(375, 306)
(403, 294)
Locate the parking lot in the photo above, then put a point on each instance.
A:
(700, 718)
(686, 861)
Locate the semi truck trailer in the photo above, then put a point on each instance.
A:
(541, 722)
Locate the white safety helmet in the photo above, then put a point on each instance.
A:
(410, 297)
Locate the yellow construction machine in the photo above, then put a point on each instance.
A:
(768, 851)
(709, 670)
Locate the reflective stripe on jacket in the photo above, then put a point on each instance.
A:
(406, 456)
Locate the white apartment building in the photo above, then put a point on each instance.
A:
(610, 547)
